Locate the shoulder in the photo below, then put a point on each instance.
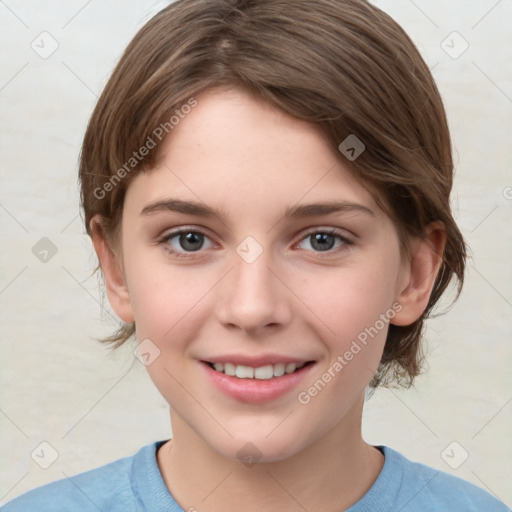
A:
(428, 489)
(106, 488)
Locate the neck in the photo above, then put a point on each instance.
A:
(331, 474)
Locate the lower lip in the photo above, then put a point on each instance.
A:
(256, 390)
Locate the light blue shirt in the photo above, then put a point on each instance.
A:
(134, 484)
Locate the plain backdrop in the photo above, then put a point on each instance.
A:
(88, 405)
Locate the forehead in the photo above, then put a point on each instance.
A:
(236, 152)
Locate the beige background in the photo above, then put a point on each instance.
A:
(61, 387)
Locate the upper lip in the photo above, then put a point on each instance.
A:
(255, 361)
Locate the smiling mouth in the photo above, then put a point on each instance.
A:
(265, 372)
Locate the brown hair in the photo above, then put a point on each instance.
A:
(345, 66)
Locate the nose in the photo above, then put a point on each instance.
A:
(253, 297)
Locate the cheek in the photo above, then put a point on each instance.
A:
(168, 304)
(161, 299)
(167, 300)
(355, 307)
(349, 300)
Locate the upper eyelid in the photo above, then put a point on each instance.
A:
(332, 230)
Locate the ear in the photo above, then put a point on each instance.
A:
(111, 265)
(418, 275)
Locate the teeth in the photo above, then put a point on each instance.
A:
(290, 368)
(244, 372)
(229, 369)
(279, 369)
(262, 372)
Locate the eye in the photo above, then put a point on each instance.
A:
(325, 240)
(183, 241)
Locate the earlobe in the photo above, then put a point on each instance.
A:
(419, 274)
(117, 290)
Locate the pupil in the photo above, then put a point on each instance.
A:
(188, 240)
(325, 241)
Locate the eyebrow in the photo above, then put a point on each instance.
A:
(295, 212)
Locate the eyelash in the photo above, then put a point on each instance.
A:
(169, 236)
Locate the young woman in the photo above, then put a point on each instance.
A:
(266, 185)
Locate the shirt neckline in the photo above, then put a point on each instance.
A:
(383, 494)
(147, 482)
(152, 493)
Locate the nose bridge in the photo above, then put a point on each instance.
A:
(253, 297)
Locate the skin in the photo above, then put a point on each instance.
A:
(249, 160)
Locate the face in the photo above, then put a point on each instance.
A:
(265, 283)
